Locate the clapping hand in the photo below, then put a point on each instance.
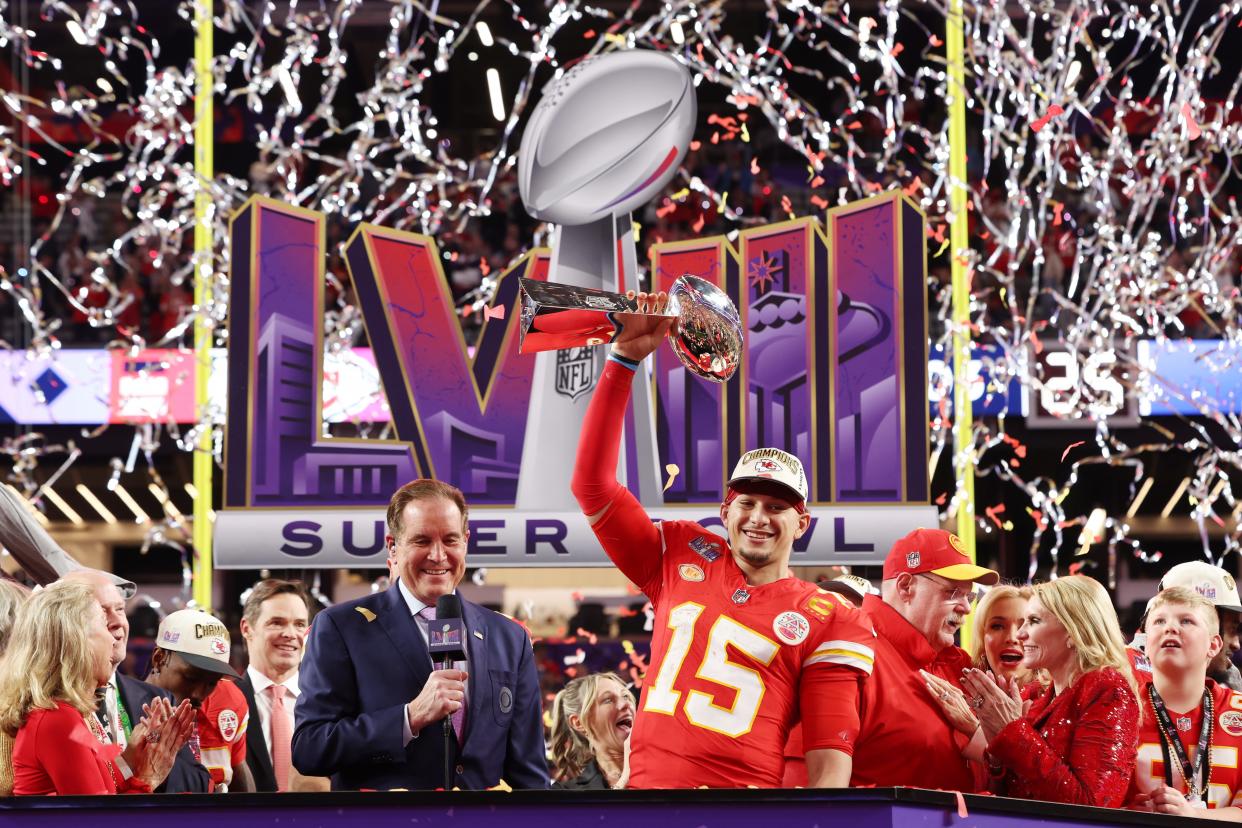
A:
(158, 736)
(994, 704)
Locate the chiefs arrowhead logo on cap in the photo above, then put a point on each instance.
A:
(957, 544)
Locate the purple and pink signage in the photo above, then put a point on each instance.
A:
(835, 370)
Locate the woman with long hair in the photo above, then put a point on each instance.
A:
(1078, 739)
(58, 656)
(591, 722)
(994, 646)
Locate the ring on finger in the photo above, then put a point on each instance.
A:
(977, 702)
(152, 736)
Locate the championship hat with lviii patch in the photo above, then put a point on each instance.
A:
(1212, 582)
(773, 466)
(198, 638)
(938, 552)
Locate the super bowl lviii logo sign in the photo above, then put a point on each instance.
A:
(833, 370)
(826, 357)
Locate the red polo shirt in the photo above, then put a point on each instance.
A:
(905, 739)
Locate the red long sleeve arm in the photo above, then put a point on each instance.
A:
(626, 533)
(830, 698)
(72, 759)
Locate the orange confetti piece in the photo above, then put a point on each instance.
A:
(1192, 128)
(1040, 123)
(576, 596)
(817, 181)
(698, 225)
(897, 50)
(962, 813)
(993, 511)
(1070, 448)
(754, 166)
(695, 144)
(497, 312)
(591, 637)
(821, 203)
(936, 42)
(672, 471)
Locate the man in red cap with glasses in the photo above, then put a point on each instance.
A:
(927, 592)
(740, 647)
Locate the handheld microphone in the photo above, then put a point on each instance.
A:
(446, 642)
(446, 636)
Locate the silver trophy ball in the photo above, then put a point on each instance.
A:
(708, 335)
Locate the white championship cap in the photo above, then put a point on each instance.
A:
(774, 466)
(1212, 582)
(197, 637)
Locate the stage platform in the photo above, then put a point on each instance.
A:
(855, 808)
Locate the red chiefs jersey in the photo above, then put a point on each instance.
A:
(729, 661)
(1223, 789)
(221, 720)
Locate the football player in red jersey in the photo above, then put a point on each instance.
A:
(1191, 732)
(741, 649)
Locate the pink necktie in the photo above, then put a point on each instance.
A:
(282, 737)
(459, 715)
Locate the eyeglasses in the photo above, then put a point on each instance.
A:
(953, 595)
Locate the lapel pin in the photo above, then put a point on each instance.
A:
(366, 613)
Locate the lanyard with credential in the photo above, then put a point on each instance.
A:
(122, 713)
(1199, 776)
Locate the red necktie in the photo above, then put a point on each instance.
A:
(282, 737)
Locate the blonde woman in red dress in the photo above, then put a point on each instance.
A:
(57, 657)
(1076, 739)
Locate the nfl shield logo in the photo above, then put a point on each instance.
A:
(575, 372)
(741, 596)
(913, 560)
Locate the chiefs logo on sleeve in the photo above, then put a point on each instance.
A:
(227, 722)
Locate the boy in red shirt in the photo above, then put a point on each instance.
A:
(1191, 730)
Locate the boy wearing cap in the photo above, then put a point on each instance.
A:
(191, 655)
(927, 592)
(1218, 586)
(1191, 728)
(740, 648)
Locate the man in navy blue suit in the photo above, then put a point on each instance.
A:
(372, 705)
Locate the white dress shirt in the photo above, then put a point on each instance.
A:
(416, 606)
(263, 701)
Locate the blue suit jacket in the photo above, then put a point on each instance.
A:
(362, 668)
